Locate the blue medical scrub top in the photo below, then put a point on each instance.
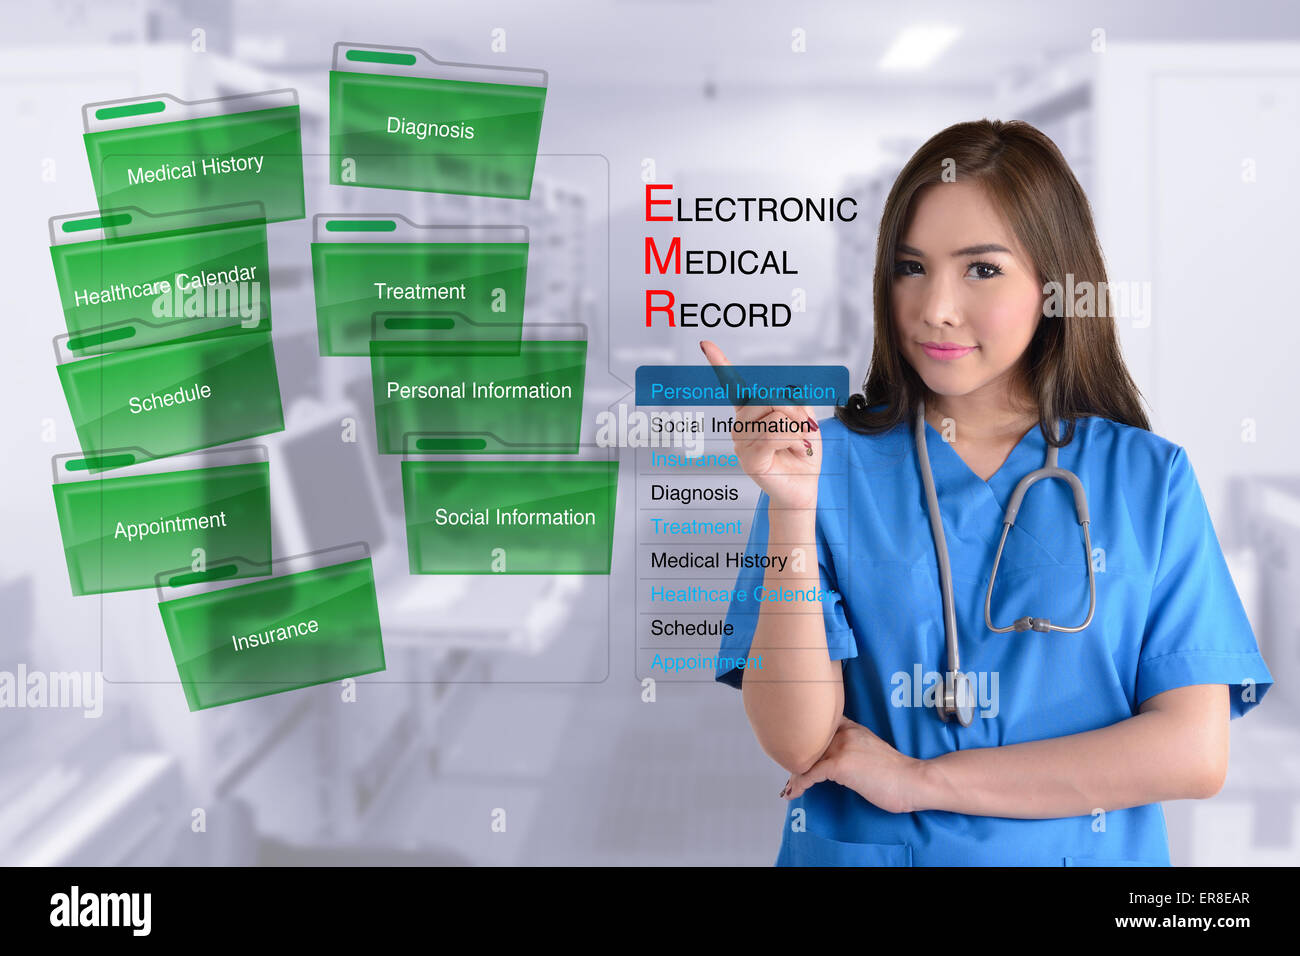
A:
(1167, 616)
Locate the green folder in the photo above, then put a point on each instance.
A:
(478, 397)
(295, 629)
(452, 282)
(167, 155)
(400, 119)
(126, 264)
(176, 396)
(509, 517)
(208, 508)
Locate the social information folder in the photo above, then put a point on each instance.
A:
(210, 263)
(452, 282)
(435, 396)
(211, 386)
(166, 155)
(509, 517)
(400, 119)
(313, 619)
(209, 508)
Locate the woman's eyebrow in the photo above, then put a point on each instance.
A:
(980, 250)
(968, 251)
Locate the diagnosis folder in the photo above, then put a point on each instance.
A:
(400, 119)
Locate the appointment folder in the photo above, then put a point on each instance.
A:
(168, 155)
(401, 119)
(210, 508)
(212, 385)
(451, 282)
(313, 619)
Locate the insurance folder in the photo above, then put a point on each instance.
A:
(165, 154)
(401, 119)
(454, 282)
(187, 386)
(312, 619)
(209, 508)
(509, 517)
(127, 264)
(434, 396)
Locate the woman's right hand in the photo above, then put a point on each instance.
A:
(785, 464)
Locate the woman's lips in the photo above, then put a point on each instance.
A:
(946, 354)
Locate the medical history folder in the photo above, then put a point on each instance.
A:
(509, 517)
(168, 155)
(312, 619)
(452, 282)
(127, 264)
(209, 508)
(188, 386)
(400, 119)
(434, 396)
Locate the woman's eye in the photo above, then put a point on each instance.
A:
(984, 270)
(908, 267)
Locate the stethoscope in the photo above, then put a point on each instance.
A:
(958, 694)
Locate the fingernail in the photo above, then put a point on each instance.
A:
(785, 789)
(702, 348)
(813, 423)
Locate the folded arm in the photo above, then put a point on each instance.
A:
(1175, 747)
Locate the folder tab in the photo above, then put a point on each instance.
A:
(515, 517)
(166, 155)
(400, 119)
(178, 396)
(313, 619)
(127, 264)
(452, 282)
(210, 510)
(434, 397)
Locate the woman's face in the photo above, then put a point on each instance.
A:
(961, 278)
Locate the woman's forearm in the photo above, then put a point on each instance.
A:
(795, 698)
(1175, 750)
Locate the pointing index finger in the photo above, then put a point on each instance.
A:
(713, 353)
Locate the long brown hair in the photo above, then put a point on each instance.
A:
(1072, 366)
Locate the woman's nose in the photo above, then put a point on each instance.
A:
(939, 301)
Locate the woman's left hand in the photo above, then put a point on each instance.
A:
(861, 761)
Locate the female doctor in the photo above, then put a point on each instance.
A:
(1051, 745)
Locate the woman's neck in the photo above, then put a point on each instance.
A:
(981, 419)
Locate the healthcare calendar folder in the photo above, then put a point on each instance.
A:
(453, 282)
(207, 509)
(166, 155)
(400, 119)
(312, 619)
(434, 396)
(178, 395)
(127, 264)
